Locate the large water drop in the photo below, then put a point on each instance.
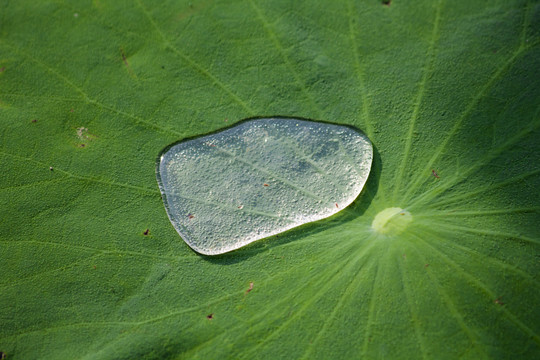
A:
(259, 178)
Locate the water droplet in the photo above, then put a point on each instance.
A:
(282, 172)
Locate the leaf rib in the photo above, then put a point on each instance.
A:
(219, 84)
(141, 189)
(276, 305)
(322, 290)
(520, 50)
(490, 294)
(372, 304)
(86, 98)
(430, 194)
(347, 293)
(285, 58)
(359, 71)
(428, 69)
(473, 338)
(267, 172)
(412, 311)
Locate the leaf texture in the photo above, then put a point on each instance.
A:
(447, 91)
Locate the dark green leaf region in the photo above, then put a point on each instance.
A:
(260, 178)
(438, 257)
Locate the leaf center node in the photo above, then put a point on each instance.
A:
(391, 221)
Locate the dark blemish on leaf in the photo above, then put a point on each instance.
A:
(163, 67)
(34, 121)
(2, 355)
(250, 287)
(434, 173)
(498, 301)
(241, 207)
(51, 168)
(82, 145)
(265, 184)
(146, 232)
(210, 316)
(124, 59)
(337, 205)
(387, 2)
(190, 216)
(95, 267)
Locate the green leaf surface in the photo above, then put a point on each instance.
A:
(447, 91)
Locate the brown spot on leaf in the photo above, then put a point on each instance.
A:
(498, 301)
(265, 184)
(190, 216)
(250, 287)
(34, 120)
(124, 59)
(434, 173)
